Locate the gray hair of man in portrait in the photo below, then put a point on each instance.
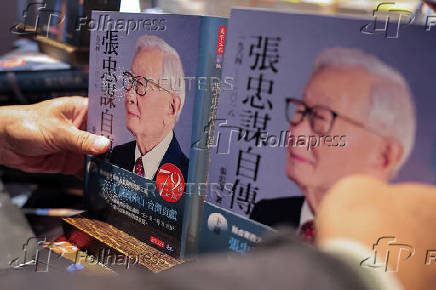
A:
(392, 110)
(172, 71)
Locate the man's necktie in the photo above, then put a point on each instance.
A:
(139, 168)
(307, 231)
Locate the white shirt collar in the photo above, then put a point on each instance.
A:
(153, 158)
(306, 213)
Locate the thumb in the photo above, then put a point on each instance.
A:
(84, 142)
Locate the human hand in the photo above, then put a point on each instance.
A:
(48, 136)
(363, 209)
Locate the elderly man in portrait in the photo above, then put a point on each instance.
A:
(152, 109)
(353, 94)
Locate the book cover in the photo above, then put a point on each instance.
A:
(314, 99)
(149, 92)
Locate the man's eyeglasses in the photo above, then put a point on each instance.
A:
(321, 118)
(139, 83)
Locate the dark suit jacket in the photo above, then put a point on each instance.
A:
(124, 156)
(273, 212)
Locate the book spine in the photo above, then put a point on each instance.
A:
(35, 97)
(37, 81)
(86, 8)
(72, 17)
(204, 115)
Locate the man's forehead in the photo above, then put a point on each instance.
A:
(346, 90)
(147, 62)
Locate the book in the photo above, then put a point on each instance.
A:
(26, 57)
(298, 117)
(28, 76)
(303, 101)
(72, 79)
(152, 83)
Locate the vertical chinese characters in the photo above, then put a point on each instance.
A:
(108, 81)
(263, 59)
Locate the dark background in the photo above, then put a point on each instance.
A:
(8, 17)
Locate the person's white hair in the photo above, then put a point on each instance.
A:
(172, 65)
(392, 110)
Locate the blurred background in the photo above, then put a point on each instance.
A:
(222, 8)
(13, 10)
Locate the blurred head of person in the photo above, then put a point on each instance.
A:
(355, 95)
(154, 91)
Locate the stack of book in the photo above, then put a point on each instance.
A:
(28, 76)
(219, 127)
